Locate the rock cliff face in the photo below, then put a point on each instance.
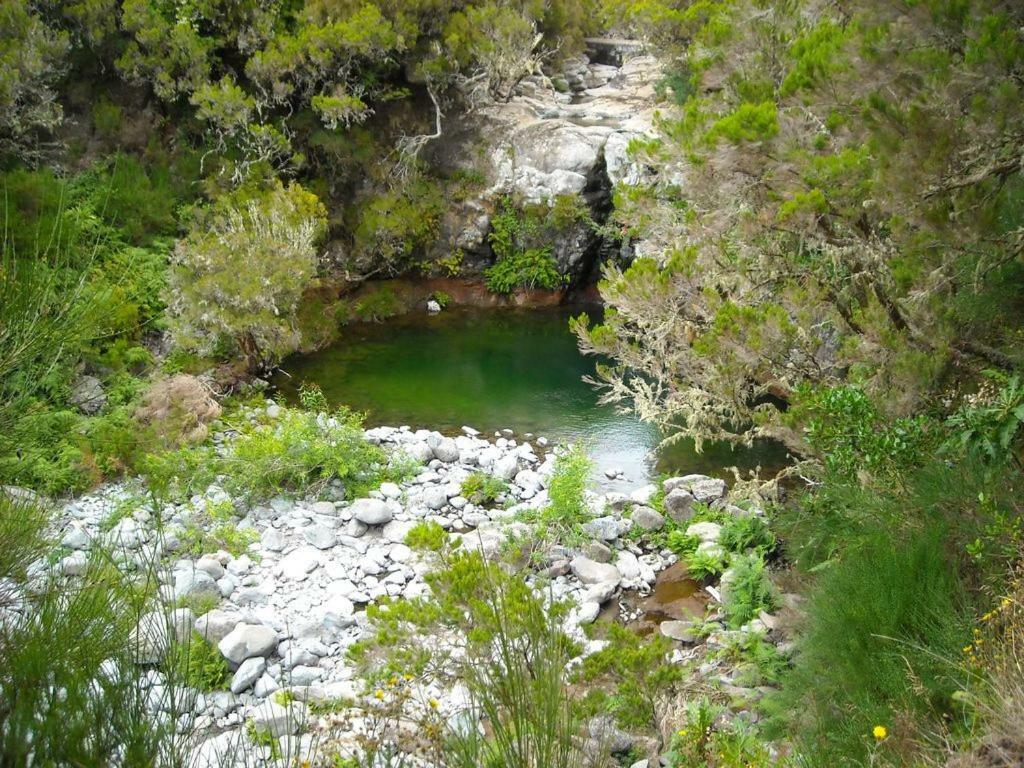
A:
(562, 135)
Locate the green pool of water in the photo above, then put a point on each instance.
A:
(494, 369)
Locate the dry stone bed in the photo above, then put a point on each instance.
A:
(287, 610)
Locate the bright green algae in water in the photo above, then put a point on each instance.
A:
(492, 369)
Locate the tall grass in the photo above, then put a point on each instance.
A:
(890, 611)
(518, 688)
(70, 690)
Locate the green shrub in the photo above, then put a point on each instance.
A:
(483, 488)
(636, 671)
(301, 452)
(749, 591)
(704, 738)
(522, 257)
(427, 536)
(531, 268)
(512, 659)
(705, 563)
(561, 520)
(379, 304)
(741, 533)
(56, 709)
(216, 528)
(199, 664)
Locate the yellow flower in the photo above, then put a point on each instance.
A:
(433, 703)
(393, 681)
(968, 648)
(682, 731)
(879, 732)
(1005, 603)
(379, 694)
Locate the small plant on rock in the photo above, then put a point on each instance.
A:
(483, 488)
(198, 664)
(749, 590)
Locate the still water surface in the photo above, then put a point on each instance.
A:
(493, 369)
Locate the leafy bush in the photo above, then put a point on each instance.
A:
(749, 591)
(379, 304)
(238, 277)
(848, 432)
(427, 536)
(741, 533)
(216, 528)
(705, 563)
(507, 648)
(483, 488)
(637, 670)
(92, 705)
(991, 427)
(562, 518)
(519, 262)
(532, 268)
(300, 452)
(199, 664)
(704, 738)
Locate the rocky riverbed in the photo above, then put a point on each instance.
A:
(287, 610)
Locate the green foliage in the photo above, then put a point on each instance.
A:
(443, 299)
(390, 228)
(33, 52)
(199, 664)
(749, 122)
(520, 260)
(702, 564)
(427, 536)
(750, 590)
(704, 738)
(637, 671)
(216, 528)
(300, 452)
(512, 660)
(76, 718)
(561, 520)
(532, 268)
(847, 431)
(886, 627)
(483, 488)
(238, 277)
(993, 428)
(377, 305)
(742, 533)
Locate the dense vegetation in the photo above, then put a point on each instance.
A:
(836, 217)
(841, 269)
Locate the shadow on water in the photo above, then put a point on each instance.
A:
(494, 369)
